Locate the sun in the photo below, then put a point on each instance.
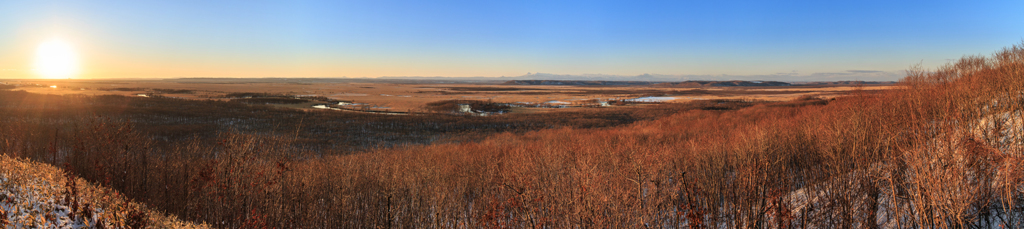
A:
(56, 59)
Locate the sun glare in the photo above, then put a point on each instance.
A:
(55, 59)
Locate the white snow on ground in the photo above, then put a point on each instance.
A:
(652, 99)
(32, 204)
(1002, 129)
(37, 195)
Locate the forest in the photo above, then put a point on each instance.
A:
(942, 150)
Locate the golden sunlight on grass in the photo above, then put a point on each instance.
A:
(56, 59)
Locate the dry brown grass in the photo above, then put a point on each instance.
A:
(943, 151)
(414, 96)
(38, 195)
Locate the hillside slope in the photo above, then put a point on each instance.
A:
(36, 195)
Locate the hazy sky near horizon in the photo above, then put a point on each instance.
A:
(774, 39)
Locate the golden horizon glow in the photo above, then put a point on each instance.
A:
(56, 59)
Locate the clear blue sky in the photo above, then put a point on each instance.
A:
(503, 38)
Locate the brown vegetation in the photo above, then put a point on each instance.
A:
(409, 95)
(270, 100)
(945, 151)
(36, 195)
(173, 91)
(449, 106)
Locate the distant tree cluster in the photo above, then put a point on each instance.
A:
(450, 106)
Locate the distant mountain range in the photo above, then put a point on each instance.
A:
(641, 83)
(837, 78)
(579, 82)
(849, 75)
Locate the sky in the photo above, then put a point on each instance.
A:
(771, 40)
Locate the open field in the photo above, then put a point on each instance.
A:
(406, 95)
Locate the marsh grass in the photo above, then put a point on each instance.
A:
(944, 151)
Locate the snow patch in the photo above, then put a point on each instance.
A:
(652, 99)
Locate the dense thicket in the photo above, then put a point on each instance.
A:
(944, 151)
